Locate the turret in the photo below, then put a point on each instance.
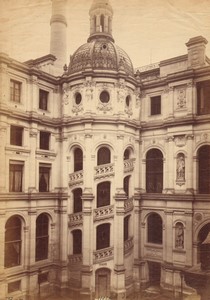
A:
(58, 43)
(101, 14)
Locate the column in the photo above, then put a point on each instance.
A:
(33, 185)
(168, 238)
(2, 240)
(189, 164)
(168, 167)
(87, 247)
(119, 268)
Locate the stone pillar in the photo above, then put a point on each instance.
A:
(34, 94)
(168, 251)
(33, 186)
(87, 246)
(106, 24)
(188, 238)
(168, 168)
(169, 95)
(119, 268)
(137, 245)
(63, 242)
(2, 240)
(98, 23)
(3, 136)
(189, 164)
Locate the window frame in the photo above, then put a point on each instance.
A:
(9, 242)
(155, 105)
(203, 97)
(42, 136)
(45, 170)
(42, 253)
(154, 233)
(103, 230)
(16, 135)
(154, 171)
(103, 188)
(13, 91)
(15, 167)
(43, 99)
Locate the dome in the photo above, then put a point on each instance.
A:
(100, 54)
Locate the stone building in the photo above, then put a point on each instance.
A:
(106, 169)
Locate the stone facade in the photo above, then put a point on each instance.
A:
(105, 184)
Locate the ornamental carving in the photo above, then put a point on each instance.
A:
(105, 107)
(180, 140)
(128, 111)
(181, 98)
(66, 94)
(77, 108)
(89, 89)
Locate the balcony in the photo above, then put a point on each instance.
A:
(128, 245)
(129, 165)
(104, 212)
(103, 255)
(75, 259)
(76, 178)
(104, 171)
(75, 219)
(128, 205)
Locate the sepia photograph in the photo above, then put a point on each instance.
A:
(105, 150)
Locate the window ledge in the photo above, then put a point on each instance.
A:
(45, 153)
(16, 149)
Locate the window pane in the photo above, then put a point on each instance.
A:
(16, 134)
(154, 171)
(103, 156)
(203, 97)
(15, 91)
(78, 159)
(77, 194)
(12, 253)
(15, 177)
(155, 229)
(44, 140)
(43, 99)
(103, 194)
(155, 105)
(77, 242)
(103, 236)
(44, 179)
(204, 170)
(42, 237)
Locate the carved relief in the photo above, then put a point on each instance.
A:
(180, 140)
(181, 98)
(66, 95)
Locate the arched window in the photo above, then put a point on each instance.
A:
(204, 247)
(104, 156)
(103, 194)
(13, 242)
(77, 194)
(42, 237)
(126, 185)
(126, 228)
(77, 241)
(204, 170)
(154, 171)
(126, 154)
(102, 23)
(102, 236)
(78, 159)
(179, 235)
(155, 229)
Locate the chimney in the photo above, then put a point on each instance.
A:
(196, 51)
(58, 43)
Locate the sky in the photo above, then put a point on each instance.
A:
(148, 30)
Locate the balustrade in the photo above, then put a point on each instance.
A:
(75, 219)
(128, 205)
(103, 254)
(104, 171)
(104, 212)
(128, 245)
(129, 165)
(75, 259)
(76, 178)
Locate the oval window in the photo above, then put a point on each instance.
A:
(104, 97)
(78, 98)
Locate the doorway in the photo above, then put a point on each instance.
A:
(102, 283)
(154, 273)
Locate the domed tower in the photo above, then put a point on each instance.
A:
(101, 109)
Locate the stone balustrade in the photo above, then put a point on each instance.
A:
(104, 171)
(104, 212)
(75, 219)
(129, 165)
(128, 205)
(76, 178)
(103, 254)
(128, 245)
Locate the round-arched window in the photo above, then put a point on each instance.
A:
(104, 97)
(78, 98)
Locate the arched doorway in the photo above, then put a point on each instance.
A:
(103, 277)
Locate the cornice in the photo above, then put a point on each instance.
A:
(33, 196)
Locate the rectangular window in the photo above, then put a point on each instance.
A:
(44, 177)
(14, 286)
(15, 176)
(203, 97)
(43, 99)
(44, 140)
(15, 91)
(16, 135)
(155, 105)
